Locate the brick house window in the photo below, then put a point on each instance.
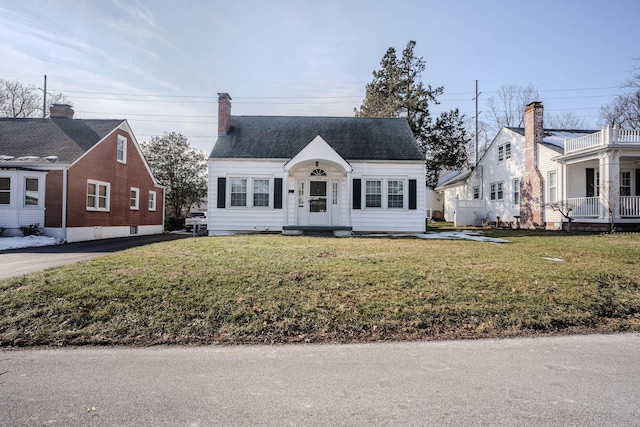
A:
(152, 200)
(134, 198)
(121, 154)
(98, 195)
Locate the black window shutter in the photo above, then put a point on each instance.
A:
(637, 182)
(277, 193)
(222, 192)
(591, 182)
(357, 193)
(413, 194)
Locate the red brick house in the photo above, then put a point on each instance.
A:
(78, 179)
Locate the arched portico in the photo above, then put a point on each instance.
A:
(318, 191)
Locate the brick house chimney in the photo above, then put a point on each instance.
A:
(61, 111)
(224, 113)
(532, 184)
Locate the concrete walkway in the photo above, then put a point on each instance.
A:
(568, 381)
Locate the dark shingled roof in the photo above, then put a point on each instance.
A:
(354, 138)
(68, 139)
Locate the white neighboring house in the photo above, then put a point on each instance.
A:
(523, 170)
(297, 174)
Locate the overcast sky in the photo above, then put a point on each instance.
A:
(159, 64)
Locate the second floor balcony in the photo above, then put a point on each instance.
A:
(606, 137)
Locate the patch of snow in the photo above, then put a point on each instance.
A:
(447, 235)
(552, 259)
(27, 242)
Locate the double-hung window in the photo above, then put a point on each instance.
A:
(260, 192)
(496, 191)
(121, 151)
(395, 195)
(516, 191)
(152, 200)
(373, 194)
(98, 195)
(134, 198)
(507, 151)
(5, 190)
(500, 153)
(238, 192)
(476, 192)
(625, 183)
(553, 186)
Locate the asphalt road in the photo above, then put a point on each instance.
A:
(569, 381)
(17, 262)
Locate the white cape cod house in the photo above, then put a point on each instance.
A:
(298, 174)
(595, 174)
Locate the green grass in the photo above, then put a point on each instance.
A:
(271, 288)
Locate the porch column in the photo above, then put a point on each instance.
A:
(609, 163)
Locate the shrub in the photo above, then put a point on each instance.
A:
(30, 230)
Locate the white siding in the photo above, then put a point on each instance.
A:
(361, 220)
(505, 171)
(546, 164)
(244, 218)
(390, 219)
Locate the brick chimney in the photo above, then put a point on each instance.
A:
(224, 113)
(532, 185)
(61, 111)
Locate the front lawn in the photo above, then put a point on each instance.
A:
(276, 289)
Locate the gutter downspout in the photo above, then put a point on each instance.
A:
(65, 190)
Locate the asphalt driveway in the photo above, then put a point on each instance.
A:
(17, 262)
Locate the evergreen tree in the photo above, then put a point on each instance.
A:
(397, 91)
(178, 166)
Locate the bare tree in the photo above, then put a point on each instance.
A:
(565, 209)
(19, 100)
(565, 120)
(507, 107)
(624, 111)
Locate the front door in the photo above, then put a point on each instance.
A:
(318, 209)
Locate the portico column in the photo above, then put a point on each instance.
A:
(285, 196)
(349, 198)
(609, 163)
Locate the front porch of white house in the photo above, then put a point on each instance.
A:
(601, 177)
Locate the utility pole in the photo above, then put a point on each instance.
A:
(44, 102)
(476, 117)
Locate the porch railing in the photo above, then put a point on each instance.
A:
(629, 206)
(606, 136)
(584, 207)
(589, 207)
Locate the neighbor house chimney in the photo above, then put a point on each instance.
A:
(61, 111)
(532, 185)
(224, 113)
